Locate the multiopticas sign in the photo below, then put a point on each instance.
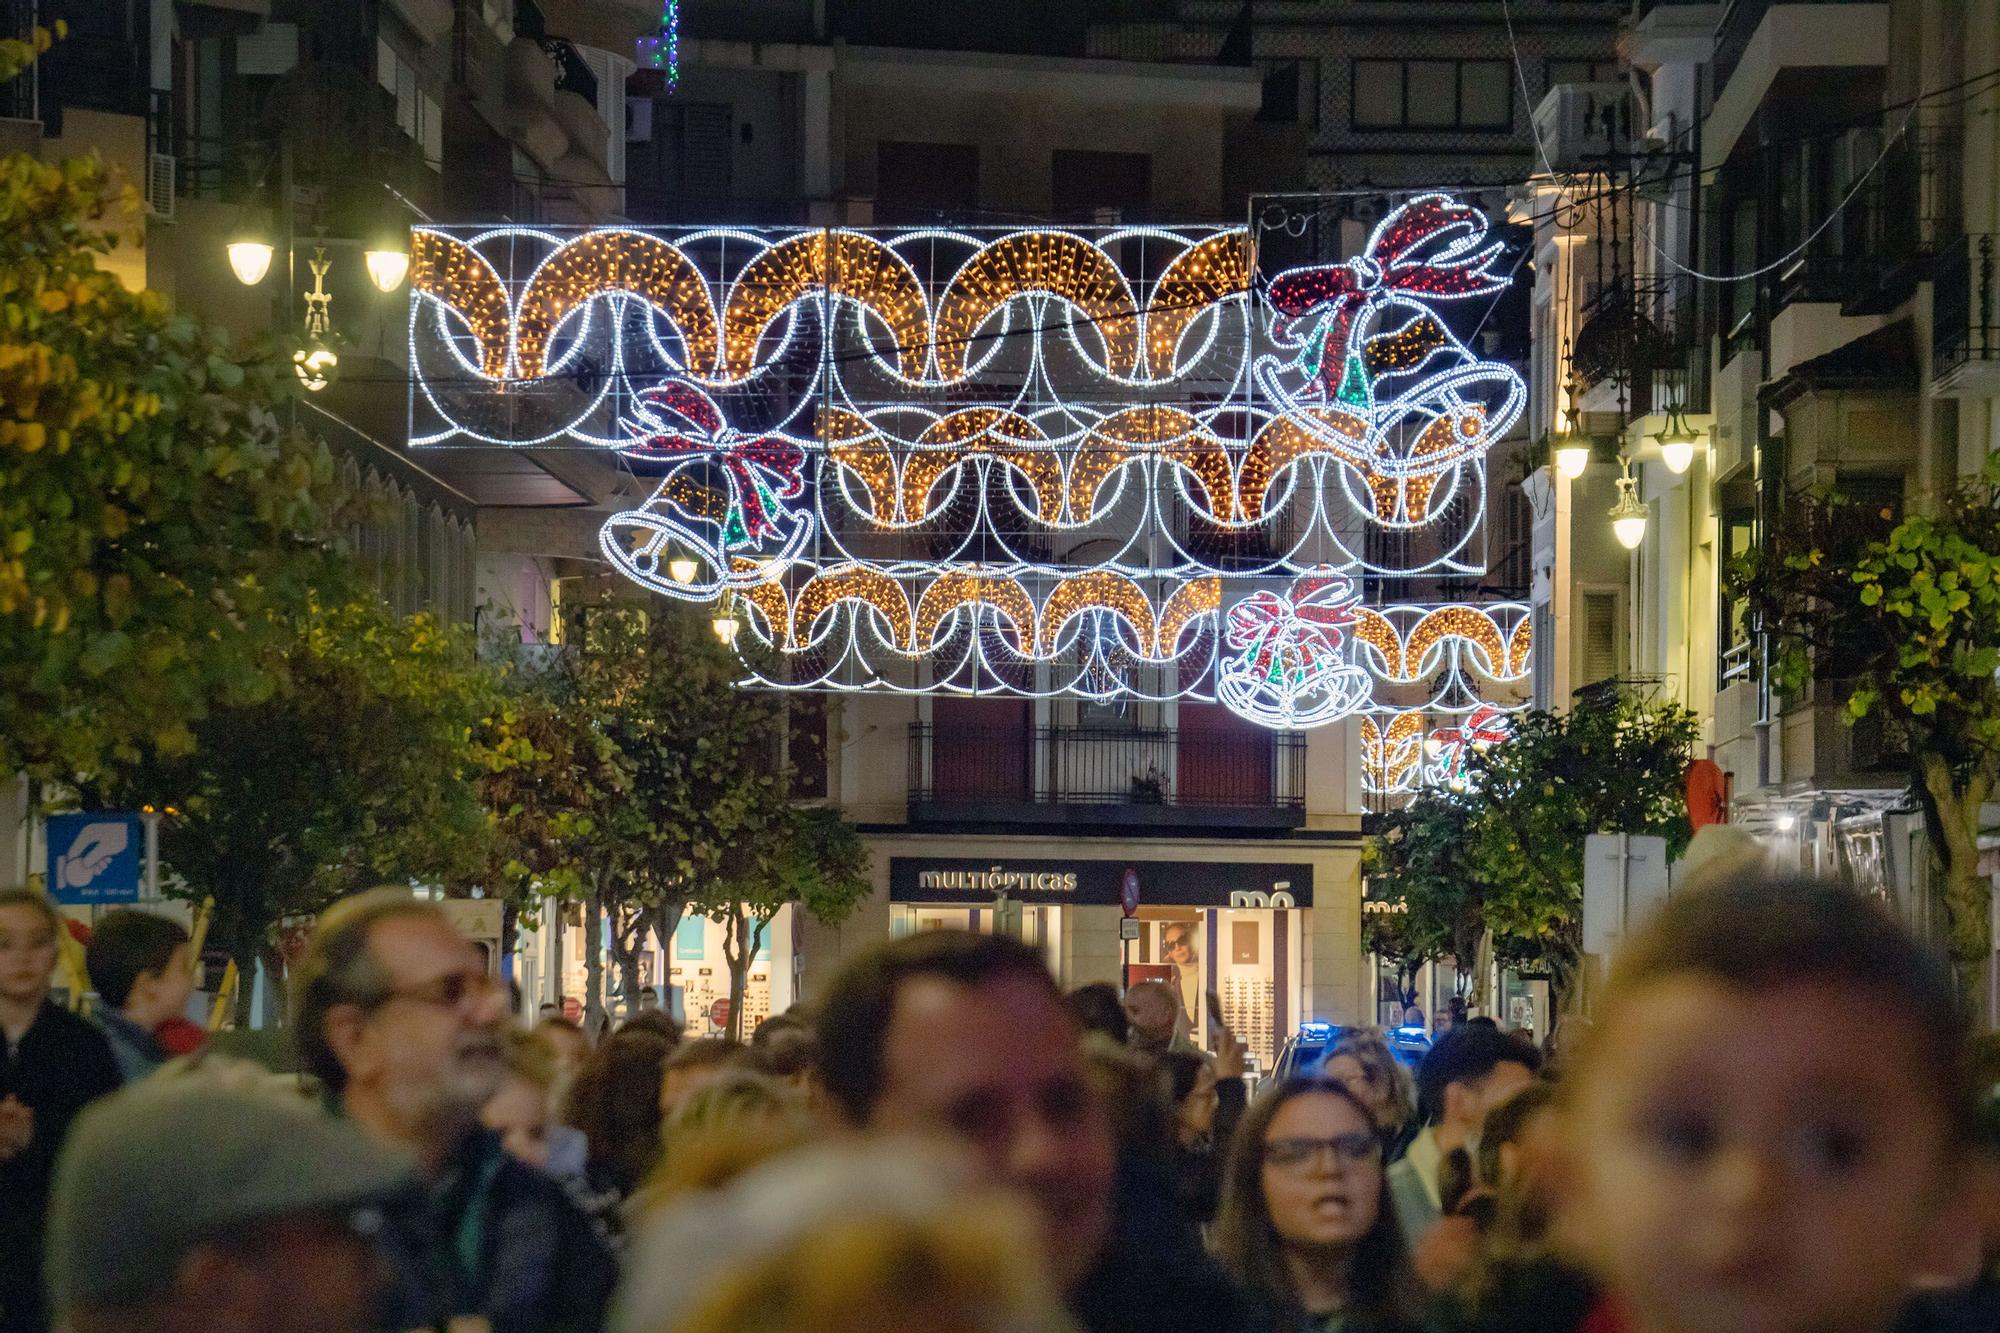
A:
(998, 880)
(1237, 884)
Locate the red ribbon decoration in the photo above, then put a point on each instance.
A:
(744, 459)
(1309, 623)
(1430, 247)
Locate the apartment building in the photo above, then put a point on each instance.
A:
(1797, 276)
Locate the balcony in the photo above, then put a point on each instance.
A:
(1209, 778)
(1965, 349)
(1909, 211)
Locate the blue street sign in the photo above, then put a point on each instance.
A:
(98, 856)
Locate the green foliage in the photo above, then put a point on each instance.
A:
(158, 526)
(1905, 616)
(1506, 855)
(1420, 858)
(647, 785)
(360, 767)
(1615, 763)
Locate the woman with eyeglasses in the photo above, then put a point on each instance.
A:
(1305, 1223)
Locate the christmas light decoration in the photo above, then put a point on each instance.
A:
(1105, 462)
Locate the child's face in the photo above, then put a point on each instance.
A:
(1764, 1163)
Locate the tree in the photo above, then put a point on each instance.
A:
(1420, 858)
(1907, 614)
(1615, 763)
(785, 854)
(158, 526)
(699, 792)
(359, 767)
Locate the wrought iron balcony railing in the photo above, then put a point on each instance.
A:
(966, 767)
(1965, 351)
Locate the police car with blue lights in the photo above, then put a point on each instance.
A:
(1306, 1050)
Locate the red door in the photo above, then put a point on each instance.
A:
(982, 749)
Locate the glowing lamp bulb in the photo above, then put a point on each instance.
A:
(725, 626)
(387, 268)
(1629, 530)
(682, 569)
(249, 261)
(1786, 822)
(1572, 460)
(1628, 516)
(1677, 454)
(315, 367)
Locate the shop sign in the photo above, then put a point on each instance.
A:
(1238, 884)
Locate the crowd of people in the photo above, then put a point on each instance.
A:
(1775, 1120)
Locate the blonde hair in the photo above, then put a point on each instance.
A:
(726, 1129)
(961, 1271)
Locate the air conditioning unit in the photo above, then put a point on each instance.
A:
(160, 168)
(1579, 125)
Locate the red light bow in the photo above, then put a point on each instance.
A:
(759, 470)
(1301, 634)
(1430, 247)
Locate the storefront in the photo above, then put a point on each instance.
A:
(690, 975)
(1237, 930)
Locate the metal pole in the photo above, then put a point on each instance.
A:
(152, 885)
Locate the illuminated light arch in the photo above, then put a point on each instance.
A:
(862, 433)
(980, 432)
(452, 273)
(605, 263)
(1519, 644)
(852, 583)
(1392, 754)
(958, 589)
(847, 265)
(1373, 629)
(1096, 590)
(1462, 623)
(768, 598)
(1189, 604)
(1196, 283)
(1048, 263)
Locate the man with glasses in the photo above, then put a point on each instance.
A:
(396, 1016)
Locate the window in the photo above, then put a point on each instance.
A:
(1582, 71)
(1291, 92)
(417, 112)
(686, 151)
(1082, 182)
(1433, 95)
(916, 181)
(1601, 632)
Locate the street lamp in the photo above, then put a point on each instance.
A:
(387, 267)
(1677, 441)
(250, 259)
(1628, 515)
(682, 569)
(315, 366)
(1570, 451)
(725, 623)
